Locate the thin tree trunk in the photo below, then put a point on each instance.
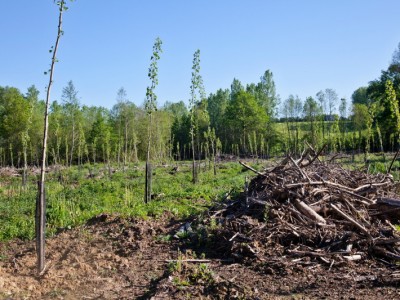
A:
(289, 140)
(312, 133)
(214, 154)
(194, 173)
(147, 194)
(148, 182)
(41, 200)
(73, 141)
(66, 152)
(119, 143)
(25, 172)
(126, 144)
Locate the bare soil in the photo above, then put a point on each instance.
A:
(115, 258)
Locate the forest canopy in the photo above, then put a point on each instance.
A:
(245, 120)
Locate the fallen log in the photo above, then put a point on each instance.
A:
(387, 241)
(384, 252)
(388, 201)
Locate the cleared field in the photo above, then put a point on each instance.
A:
(75, 195)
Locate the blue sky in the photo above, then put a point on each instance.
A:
(309, 45)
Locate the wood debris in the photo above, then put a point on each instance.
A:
(317, 210)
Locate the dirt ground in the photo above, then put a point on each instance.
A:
(114, 258)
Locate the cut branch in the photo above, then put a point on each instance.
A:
(350, 219)
(251, 169)
(308, 211)
(393, 160)
(315, 157)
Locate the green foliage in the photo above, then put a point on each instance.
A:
(202, 274)
(177, 109)
(360, 96)
(15, 113)
(360, 114)
(216, 108)
(72, 122)
(392, 103)
(266, 94)
(244, 115)
(185, 274)
(75, 195)
(385, 111)
(311, 111)
(236, 88)
(292, 109)
(198, 112)
(151, 97)
(81, 134)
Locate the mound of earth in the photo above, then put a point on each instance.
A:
(114, 258)
(302, 230)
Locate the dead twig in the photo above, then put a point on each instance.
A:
(350, 219)
(251, 169)
(315, 157)
(393, 160)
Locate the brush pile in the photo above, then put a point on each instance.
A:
(311, 211)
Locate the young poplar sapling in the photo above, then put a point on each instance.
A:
(40, 218)
(151, 107)
(196, 91)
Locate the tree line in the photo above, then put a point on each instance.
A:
(246, 120)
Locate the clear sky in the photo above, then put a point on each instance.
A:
(309, 45)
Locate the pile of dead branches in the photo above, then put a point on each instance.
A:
(312, 210)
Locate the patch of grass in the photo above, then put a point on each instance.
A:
(164, 238)
(55, 293)
(185, 274)
(3, 256)
(202, 274)
(73, 196)
(375, 163)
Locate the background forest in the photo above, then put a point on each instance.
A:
(243, 120)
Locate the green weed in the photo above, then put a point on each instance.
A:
(164, 238)
(202, 274)
(73, 196)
